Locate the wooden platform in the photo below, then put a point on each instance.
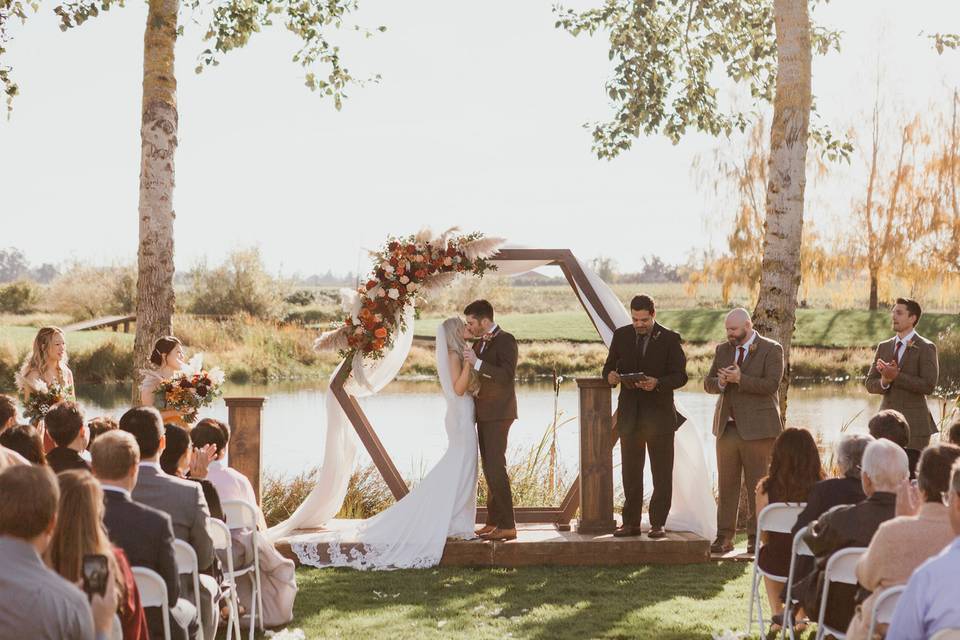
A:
(543, 545)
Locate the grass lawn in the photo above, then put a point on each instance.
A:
(541, 603)
(815, 327)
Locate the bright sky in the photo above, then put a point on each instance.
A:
(477, 123)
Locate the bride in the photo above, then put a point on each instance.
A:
(412, 533)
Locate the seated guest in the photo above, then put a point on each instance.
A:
(8, 412)
(25, 440)
(79, 532)
(65, 425)
(145, 534)
(180, 459)
(794, 468)
(277, 574)
(100, 425)
(929, 603)
(953, 433)
(9, 457)
(904, 543)
(844, 489)
(36, 602)
(884, 468)
(890, 424)
(181, 499)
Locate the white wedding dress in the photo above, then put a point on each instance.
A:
(412, 533)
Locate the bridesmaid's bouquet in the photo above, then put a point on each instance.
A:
(42, 397)
(191, 388)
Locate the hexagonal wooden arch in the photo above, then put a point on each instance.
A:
(559, 515)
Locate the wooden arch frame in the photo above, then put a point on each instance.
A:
(559, 515)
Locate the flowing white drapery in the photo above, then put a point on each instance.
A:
(694, 508)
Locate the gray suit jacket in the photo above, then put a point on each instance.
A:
(919, 372)
(755, 400)
(183, 500)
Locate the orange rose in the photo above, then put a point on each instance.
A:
(380, 333)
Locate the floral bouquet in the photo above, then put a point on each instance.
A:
(190, 389)
(42, 397)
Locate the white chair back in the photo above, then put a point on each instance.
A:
(187, 563)
(883, 607)
(946, 634)
(841, 567)
(800, 548)
(153, 593)
(777, 517)
(240, 514)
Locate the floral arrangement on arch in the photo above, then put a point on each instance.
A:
(404, 270)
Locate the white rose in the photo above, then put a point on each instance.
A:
(413, 286)
(381, 293)
(388, 268)
(404, 279)
(394, 294)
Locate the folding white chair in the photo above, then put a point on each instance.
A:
(187, 564)
(946, 634)
(841, 567)
(778, 517)
(153, 593)
(800, 548)
(243, 515)
(220, 534)
(883, 608)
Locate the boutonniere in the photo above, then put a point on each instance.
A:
(656, 334)
(912, 344)
(752, 348)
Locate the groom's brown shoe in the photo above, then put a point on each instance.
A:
(485, 529)
(500, 535)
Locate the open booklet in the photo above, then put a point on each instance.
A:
(633, 377)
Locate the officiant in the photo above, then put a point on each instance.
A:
(647, 361)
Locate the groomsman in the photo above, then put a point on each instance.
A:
(746, 373)
(905, 370)
(646, 415)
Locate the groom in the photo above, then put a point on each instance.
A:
(494, 356)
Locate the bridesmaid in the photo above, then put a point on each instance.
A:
(48, 363)
(166, 359)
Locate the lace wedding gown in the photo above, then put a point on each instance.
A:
(412, 533)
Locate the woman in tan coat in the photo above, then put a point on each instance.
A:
(920, 530)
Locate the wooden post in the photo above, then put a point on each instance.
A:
(596, 457)
(244, 416)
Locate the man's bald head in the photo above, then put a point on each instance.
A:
(739, 326)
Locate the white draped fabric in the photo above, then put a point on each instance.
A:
(693, 509)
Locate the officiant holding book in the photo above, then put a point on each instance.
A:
(647, 361)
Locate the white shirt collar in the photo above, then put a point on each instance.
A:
(152, 465)
(493, 328)
(110, 487)
(907, 338)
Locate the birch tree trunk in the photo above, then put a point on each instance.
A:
(158, 139)
(775, 314)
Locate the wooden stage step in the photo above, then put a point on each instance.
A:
(543, 545)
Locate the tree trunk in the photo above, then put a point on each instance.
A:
(874, 303)
(775, 314)
(158, 139)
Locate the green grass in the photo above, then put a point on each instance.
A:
(815, 327)
(540, 603)
(20, 338)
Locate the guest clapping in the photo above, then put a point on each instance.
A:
(904, 543)
(181, 459)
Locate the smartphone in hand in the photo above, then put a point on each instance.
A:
(96, 571)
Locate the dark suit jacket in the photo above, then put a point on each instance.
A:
(827, 494)
(839, 528)
(648, 411)
(65, 459)
(146, 535)
(497, 398)
(755, 400)
(919, 372)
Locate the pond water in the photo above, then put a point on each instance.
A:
(408, 417)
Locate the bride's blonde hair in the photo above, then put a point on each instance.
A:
(38, 358)
(453, 330)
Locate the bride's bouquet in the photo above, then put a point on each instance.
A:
(42, 397)
(191, 388)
